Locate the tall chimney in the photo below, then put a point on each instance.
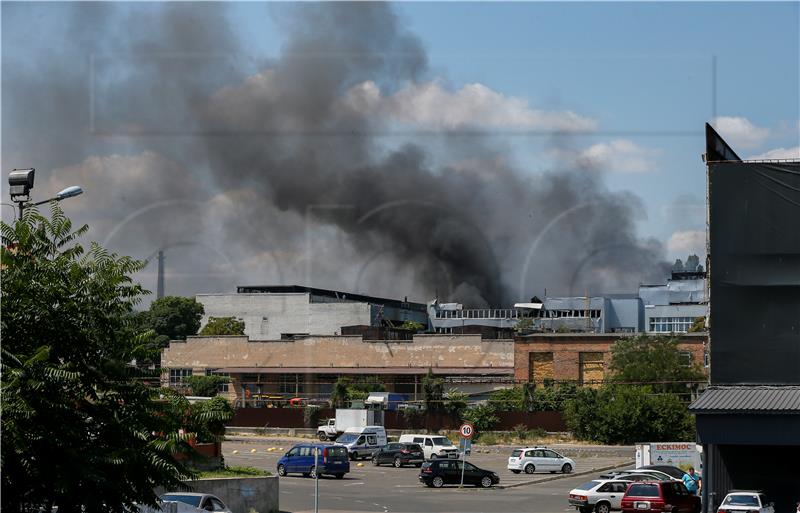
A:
(160, 282)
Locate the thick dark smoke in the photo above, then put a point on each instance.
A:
(291, 157)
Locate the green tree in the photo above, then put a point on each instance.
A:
(80, 429)
(655, 361)
(206, 419)
(699, 325)
(455, 401)
(433, 391)
(507, 399)
(172, 318)
(222, 326)
(412, 326)
(482, 416)
(205, 386)
(339, 392)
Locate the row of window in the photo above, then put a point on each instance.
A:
(178, 376)
(671, 324)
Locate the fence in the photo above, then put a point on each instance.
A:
(432, 421)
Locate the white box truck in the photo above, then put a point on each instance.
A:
(348, 418)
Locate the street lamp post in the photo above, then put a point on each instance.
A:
(20, 183)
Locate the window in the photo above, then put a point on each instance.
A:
(592, 368)
(551, 454)
(540, 367)
(686, 358)
(305, 451)
(670, 324)
(294, 452)
(177, 376)
(643, 490)
(289, 384)
(372, 440)
(428, 442)
(530, 454)
(223, 387)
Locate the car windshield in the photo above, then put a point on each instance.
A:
(191, 500)
(347, 438)
(588, 486)
(516, 453)
(643, 490)
(741, 500)
(440, 440)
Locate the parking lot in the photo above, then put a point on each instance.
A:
(387, 489)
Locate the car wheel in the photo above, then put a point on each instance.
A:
(486, 482)
(530, 468)
(313, 473)
(516, 471)
(339, 476)
(567, 468)
(322, 437)
(418, 465)
(281, 470)
(354, 456)
(603, 507)
(375, 461)
(437, 482)
(397, 463)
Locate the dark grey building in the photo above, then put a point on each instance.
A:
(748, 421)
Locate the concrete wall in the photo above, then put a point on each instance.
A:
(267, 316)
(241, 494)
(566, 349)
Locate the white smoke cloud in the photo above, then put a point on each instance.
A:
(687, 242)
(739, 132)
(619, 155)
(430, 105)
(778, 153)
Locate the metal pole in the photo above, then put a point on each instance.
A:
(316, 480)
(463, 461)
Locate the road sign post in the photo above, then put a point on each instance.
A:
(466, 431)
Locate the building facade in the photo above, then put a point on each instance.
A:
(582, 358)
(284, 311)
(309, 366)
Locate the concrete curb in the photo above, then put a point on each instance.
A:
(564, 476)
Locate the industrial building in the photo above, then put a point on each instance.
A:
(666, 308)
(277, 312)
(748, 421)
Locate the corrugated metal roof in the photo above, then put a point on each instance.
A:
(748, 399)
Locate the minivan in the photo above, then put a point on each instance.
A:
(362, 442)
(433, 446)
(331, 460)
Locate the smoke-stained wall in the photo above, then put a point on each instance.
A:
(755, 272)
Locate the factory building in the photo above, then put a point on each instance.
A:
(278, 312)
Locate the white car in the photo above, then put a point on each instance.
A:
(601, 495)
(542, 459)
(433, 446)
(196, 502)
(746, 501)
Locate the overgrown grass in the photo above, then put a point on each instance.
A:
(234, 472)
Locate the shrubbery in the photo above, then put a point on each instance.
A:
(621, 414)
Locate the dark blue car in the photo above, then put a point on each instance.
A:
(331, 460)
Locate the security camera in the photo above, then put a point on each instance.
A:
(20, 182)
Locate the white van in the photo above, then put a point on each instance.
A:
(362, 442)
(434, 446)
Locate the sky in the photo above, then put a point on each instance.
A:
(145, 104)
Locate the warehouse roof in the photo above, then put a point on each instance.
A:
(749, 399)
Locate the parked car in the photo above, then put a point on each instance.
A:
(601, 494)
(531, 459)
(640, 477)
(750, 501)
(202, 501)
(433, 446)
(672, 471)
(362, 442)
(654, 496)
(655, 475)
(399, 454)
(331, 460)
(441, 472)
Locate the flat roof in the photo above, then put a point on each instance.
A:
(337, 294)
(488, 371)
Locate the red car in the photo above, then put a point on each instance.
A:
(659, 497)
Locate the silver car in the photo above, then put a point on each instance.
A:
(202, 501)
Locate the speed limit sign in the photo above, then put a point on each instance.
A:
(467, 430)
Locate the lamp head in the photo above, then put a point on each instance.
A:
(69, 192)
(20, 183)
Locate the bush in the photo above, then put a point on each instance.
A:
(455, 401)
(521, 431)
(482, 416)
(207, 419)
(311, 415)
(205, 386)
(619, 414)
(551, 396)
(507, 399)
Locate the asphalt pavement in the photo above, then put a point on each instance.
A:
(386, 489)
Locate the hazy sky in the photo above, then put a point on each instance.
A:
(142, 104)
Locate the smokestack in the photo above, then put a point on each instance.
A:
(160, 282)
